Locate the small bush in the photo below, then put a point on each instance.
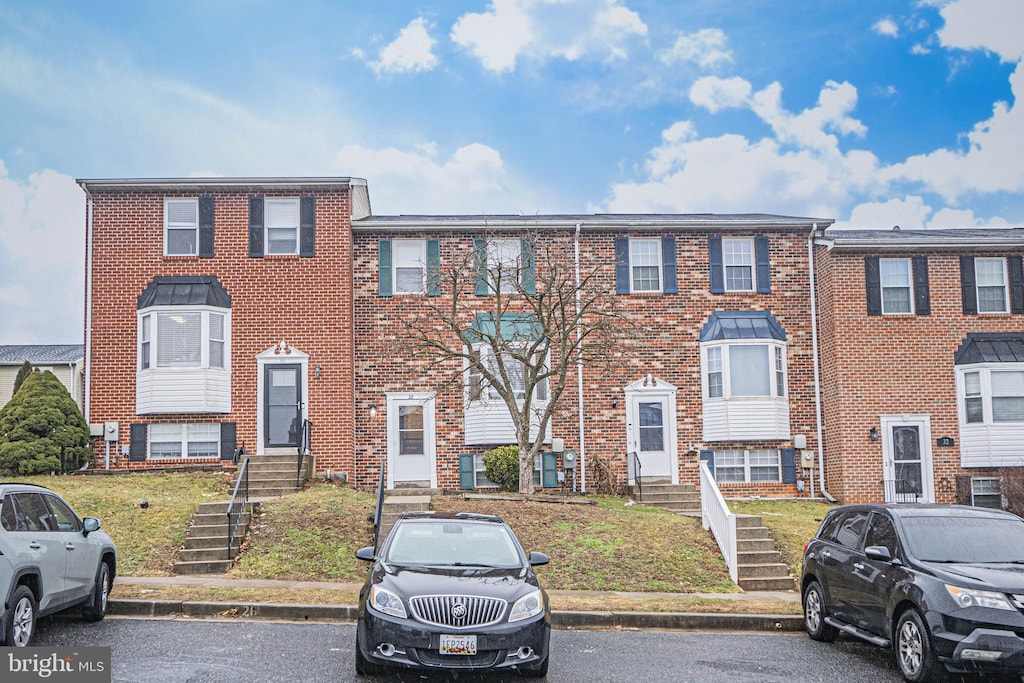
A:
(501, 465)
(42, 430)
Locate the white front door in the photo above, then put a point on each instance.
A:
(411, 440)
(650, 430)
(907, 459)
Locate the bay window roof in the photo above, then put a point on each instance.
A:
(184, 290)
(727, 325)
(991, 347)
(513, 326)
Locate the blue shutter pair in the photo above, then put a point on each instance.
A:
(762, 261)
(385, 286)
(527, 266)
(623, 282)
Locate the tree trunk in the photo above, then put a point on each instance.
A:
(525, 468)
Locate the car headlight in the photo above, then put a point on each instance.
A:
(386, 602)
(530, 605)
(966, 597)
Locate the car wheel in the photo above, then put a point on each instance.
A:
(20, 622)
(815, 613)
(537, 671)
(913, 648)
(365, 667)
(96, 608)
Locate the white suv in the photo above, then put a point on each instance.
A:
(50, 560)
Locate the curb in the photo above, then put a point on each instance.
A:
(682, 621)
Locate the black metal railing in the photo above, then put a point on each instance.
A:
(634, 470)
(377, 513)
(237, 506)
(305, 448)
(900, 491)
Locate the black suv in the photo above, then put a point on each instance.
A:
(943, 585)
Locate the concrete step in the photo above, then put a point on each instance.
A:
(208, 531)
(745, 521)
(210, 542)
(203, 555)
(271, 491)
(203, 567)
(764, 584)
(217, 518)
(677, 507)
(749, 532)
(261, 460)
(395, 503)
(212, 508)
(758, 557)
(770, 570)
(754, 544)
(670, 496)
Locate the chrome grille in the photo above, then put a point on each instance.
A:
(457, 611)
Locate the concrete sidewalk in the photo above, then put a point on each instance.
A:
(348, 613)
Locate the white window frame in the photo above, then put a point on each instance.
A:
(724, 348)
(153, 315)
(180, 226)
(633, 265)
(399, 260)
(500, 256)
(728, 256)
(985, 371)
(975, 493)
(542, 392)
(183, 441)
(479, 476)
(747, 453)
(909, 284)
(267, 227)
(1006, 290)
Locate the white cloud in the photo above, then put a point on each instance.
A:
(548, 29)
(910, 213)
(707, 47)
(886, 27)
(920, 49)
(715, 94)
(411, 51)
(964, 218)
(990, 25)
(42, 258)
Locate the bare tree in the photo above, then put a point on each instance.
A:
(513, 319)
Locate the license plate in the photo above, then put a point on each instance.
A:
(457, 645)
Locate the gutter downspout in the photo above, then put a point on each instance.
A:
(817, 373)
(579, 367)
(88, 299)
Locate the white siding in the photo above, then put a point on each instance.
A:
(488, 423)
(999, 445)
(65, 373)
(182, 390)
(746, 419)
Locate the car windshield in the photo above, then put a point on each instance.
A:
(965, 539)
(453, 543)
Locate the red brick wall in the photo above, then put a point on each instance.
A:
(891, 364)
(303, 301)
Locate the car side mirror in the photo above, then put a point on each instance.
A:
(537, 559)
(89, 525)
(878, 553)
(367, 554)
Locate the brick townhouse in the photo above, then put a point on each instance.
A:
(922, 352)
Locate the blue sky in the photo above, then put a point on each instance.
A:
(874, 113)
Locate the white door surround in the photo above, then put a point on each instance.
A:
(279, 354)
(651, 427)
(907, 470)
(419, 462)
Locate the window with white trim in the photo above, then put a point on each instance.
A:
(990, 279)
(408, 263)
(477, 387)
(182, 441)
(181, 227)
(503, 263)
(745, 370)
(985, 493)
(738, 259)
(183, 338)
(411, 431)
(645, 265)
(282, 225)
(993, 396)
(746, 466)
(896, 284)
(480, 480)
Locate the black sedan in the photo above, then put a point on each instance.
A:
(453, 591)
(943, 585)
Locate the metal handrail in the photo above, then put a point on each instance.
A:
(239, 500)
(305, 448)
(380, 507)
(715, 515)
(634, 472)
(898, 491)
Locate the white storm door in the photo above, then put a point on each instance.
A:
(907, 459)
(411, 441)
(650, 428)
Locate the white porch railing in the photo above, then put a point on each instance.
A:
(716, 516)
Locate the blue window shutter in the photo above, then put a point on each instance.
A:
(764, 267)
(528, 270)
(549, 470)
(922, 293)
(622, 285)
(137, 447)
(255, 227)
(968, 291)
(480, 261)
(788, 465)
(307, 227)
(384, 287)
(227, 440)
(709, 457)
(873, 285)
(668, 264)
(1015, 264)
(206, 227)
(467, 472)
(433, 267)
(717, 267)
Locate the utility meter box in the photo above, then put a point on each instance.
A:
(569, 458)
(110, 430)
(807, 458)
